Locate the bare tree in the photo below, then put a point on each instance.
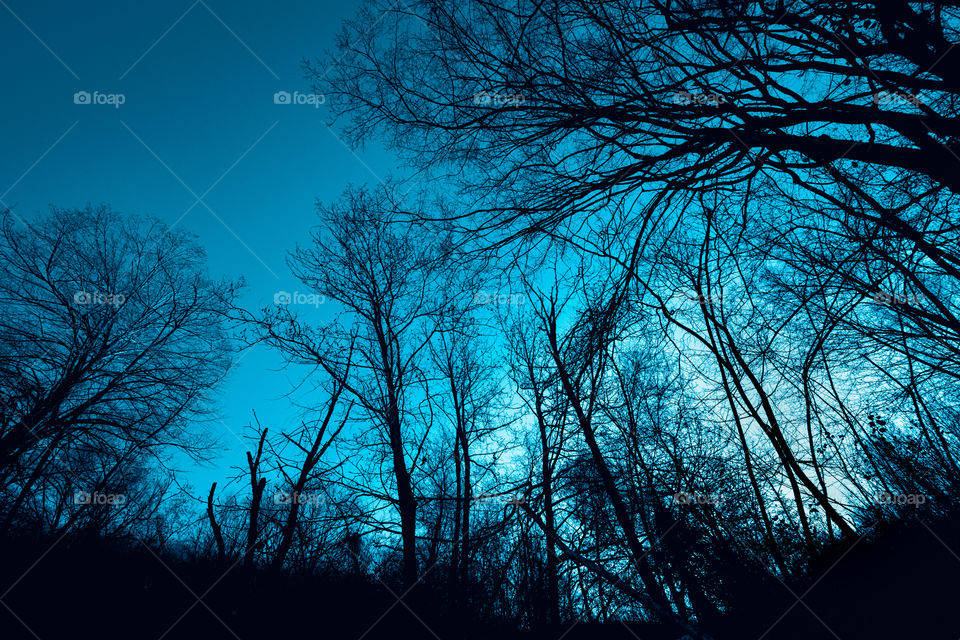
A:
(111, 336)
(312, 446)
(388, 278)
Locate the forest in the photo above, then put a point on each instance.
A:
(655, 333)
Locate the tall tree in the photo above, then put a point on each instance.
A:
(389, 280)
(111, 336)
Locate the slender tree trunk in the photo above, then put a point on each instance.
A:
(406, 502)
(468, 499)
(624, 519)
(457, 517)
(257, 486)
(546, 471)
(217, 533)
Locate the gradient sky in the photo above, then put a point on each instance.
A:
(198, 119)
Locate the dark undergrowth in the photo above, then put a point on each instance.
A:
(895, 583)
(898, 581)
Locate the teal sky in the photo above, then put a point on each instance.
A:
(198, 120)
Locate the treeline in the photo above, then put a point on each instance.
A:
(612, 352)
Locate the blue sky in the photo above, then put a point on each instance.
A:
(197, 120)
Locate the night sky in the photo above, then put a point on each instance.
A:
(184, 119)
